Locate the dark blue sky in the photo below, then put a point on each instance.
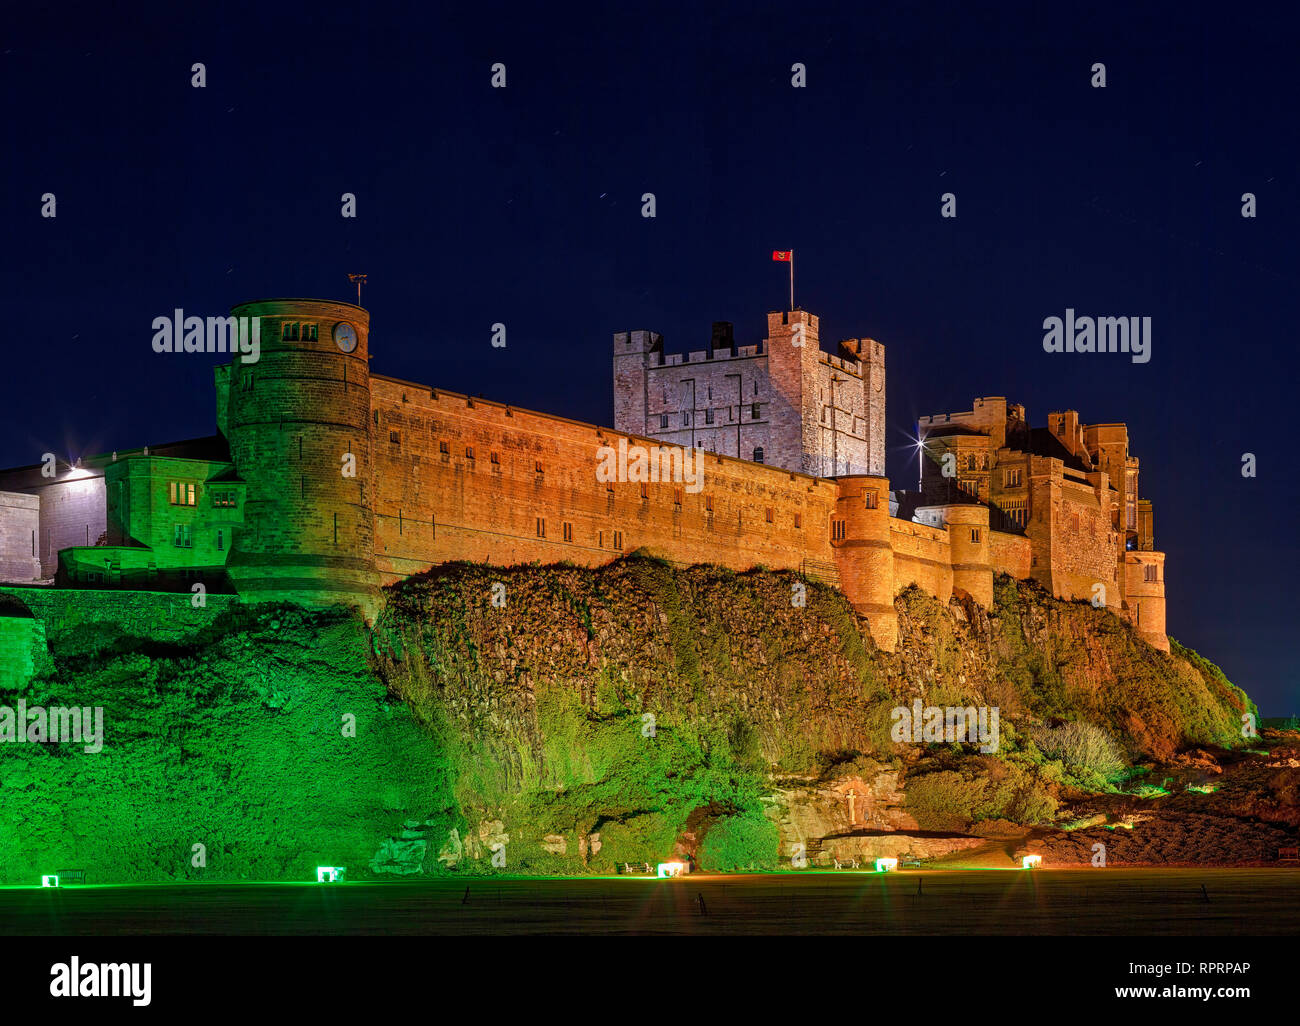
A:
(522, 206)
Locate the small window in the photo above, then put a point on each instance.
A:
(182, 538)
(221, 542)
(538, 468)
(645, 492)
(798, 521)
(708, 415)
(395, 437)
(771, 515)
(686, 419)
(708, 504)
(618, 540)
(495, 459)
(444, 451)
(541, 527)
(837, 530)
(310, 332)
(869, 495)
(975, 534)
(753, 412)
(663, 420)
(568, 532)
(677, 499)
(469, 452)
(758, 455)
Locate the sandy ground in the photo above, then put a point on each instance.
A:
(1100, 902)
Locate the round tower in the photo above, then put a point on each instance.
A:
(299, 424)
(968, 538)
(1144, 588)
(860, 543)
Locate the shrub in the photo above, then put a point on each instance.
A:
(1088, 751)
(747, 840)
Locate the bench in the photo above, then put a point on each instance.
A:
(1288, 855)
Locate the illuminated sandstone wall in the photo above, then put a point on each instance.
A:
(1009, 554)
(468, 479)
(922, 556)
(1083, 545)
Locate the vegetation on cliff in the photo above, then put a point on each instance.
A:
(561, 720)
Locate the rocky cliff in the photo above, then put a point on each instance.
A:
(567, 720)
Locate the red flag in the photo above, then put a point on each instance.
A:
(787, 255)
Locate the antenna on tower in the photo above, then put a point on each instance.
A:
(360, 279)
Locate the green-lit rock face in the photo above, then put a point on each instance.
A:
(23, 652)
(557, 720)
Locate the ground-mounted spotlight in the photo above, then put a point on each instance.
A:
(667, 869)
(886, 865)
(49, 881)
(330, 874)
(1031, 862)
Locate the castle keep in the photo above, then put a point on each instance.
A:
(325, 482)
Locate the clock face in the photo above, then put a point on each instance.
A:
(345, 336)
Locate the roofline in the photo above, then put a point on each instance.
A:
(300, 299)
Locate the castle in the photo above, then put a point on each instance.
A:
(325, 482)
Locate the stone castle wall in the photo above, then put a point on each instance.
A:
(19, 534)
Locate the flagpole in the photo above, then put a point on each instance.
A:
(792, 281)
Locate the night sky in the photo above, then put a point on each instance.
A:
(523, 206)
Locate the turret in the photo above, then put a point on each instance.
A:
(634, 352)
(792, 346)
(860, 543)
(299, 424)
(968, 539)
(1144, 590)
